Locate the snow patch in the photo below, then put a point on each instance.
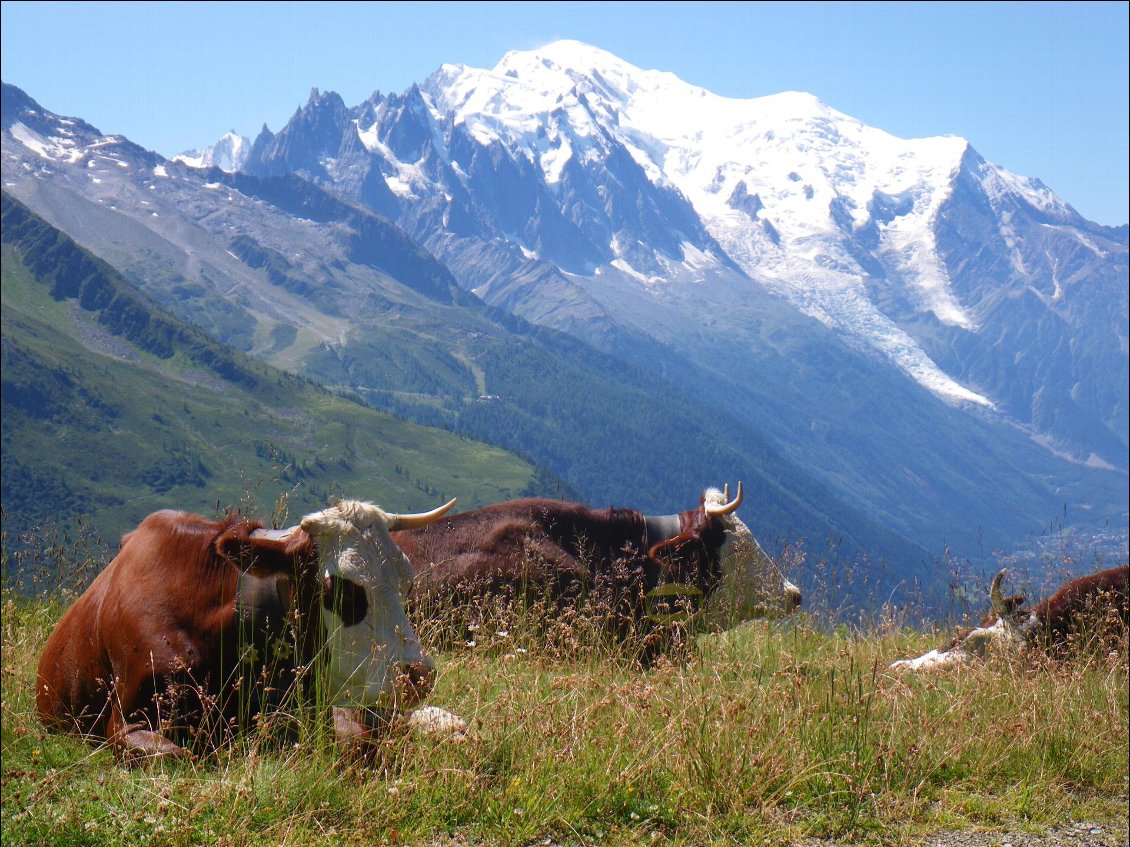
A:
(228, 154)
(45, 148)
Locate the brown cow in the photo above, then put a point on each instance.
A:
(1077, 610)
(706, 555)
(188, 632)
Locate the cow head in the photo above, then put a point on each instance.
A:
(999, 632)
(749, 583)
(375, 659)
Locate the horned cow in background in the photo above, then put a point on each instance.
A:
(706, 556)
(1081, 608)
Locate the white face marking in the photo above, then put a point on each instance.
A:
(751, 585)
(1001, 637)
(933, 659)
(366, 657)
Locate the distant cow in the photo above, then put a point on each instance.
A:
(706, 556)
(197, 626)
(1081, 607)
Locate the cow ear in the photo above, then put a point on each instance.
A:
(1016, 601)
(299, 542)
(234, 543)
(248, 546)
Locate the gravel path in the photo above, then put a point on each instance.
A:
(1082, 834)
(1072, 835)
(1079, 834)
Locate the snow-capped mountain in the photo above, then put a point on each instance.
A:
(631, 189)
(780, 182)
(228, 154)
(911, 329)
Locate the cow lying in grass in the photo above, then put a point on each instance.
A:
(648, 571)
(198, 628)
(1082, 609)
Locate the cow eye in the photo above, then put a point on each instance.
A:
(345, 599)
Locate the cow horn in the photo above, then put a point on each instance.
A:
(717, 510)
(995, 596)
(279, 535)
(416, 521)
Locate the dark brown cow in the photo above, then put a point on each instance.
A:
(706, 554)
(188, 632)
(1079, 609)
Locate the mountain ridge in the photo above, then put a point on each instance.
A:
(901, 267)
(642, 279)
(310, 280)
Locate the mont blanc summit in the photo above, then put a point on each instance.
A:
(836, 217)
(781, 183)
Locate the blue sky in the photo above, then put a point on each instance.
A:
(1038, 88)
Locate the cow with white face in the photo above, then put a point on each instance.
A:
(377, 665)
(751, 584)
(198, 627)
(1081, 609)
(699, 565)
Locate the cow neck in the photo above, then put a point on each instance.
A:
(659, 528)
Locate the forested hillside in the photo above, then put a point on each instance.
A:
(114, 408)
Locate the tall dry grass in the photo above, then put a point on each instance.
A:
(768, 733)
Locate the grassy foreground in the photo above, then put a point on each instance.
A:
(765, 735)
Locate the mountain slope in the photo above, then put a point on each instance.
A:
(320, 286)
(877, 309)
(113, 408)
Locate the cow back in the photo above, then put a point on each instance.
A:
(538, 540)
(1084, 607)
